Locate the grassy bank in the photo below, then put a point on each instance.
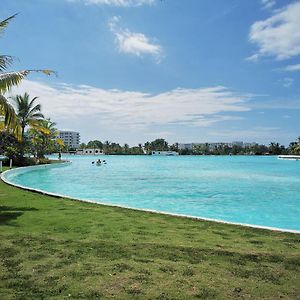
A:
(57, 248)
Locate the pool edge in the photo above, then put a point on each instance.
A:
(2, 177)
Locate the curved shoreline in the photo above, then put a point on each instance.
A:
(56, 195)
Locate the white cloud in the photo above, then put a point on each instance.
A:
(292, 68)
(135, 110)
(279, 35)
(134, 43)
(133, 117)
(268, 4)
(124, 3)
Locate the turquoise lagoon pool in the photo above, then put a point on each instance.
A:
(262, 191)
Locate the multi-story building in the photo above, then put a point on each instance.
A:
(71, 139)
(215, 146)
(185, 146)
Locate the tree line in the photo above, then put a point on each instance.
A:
(115, 148)
(198, 149)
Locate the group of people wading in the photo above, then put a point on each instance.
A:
(98, 162)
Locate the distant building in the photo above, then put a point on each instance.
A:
(90, 151)
(188, 146)
(70, 138)
(215, 146)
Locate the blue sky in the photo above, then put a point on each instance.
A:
(187, 71)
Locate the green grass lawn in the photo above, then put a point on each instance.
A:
(55, 248)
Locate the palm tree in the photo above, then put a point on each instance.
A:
(126, 148)
(44, 137)
(27, 112)
(294, 147)
(9, 79)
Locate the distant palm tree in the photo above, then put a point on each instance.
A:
(9, 79)
(27, 112)
(44, 137)
(126, 148)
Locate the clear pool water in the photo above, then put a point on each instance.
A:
(261, 191)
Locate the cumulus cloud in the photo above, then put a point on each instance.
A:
(136, 110)
(279, 35)
(124, 3)
(134, 43)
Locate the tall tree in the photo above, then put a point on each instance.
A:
(159, 145)
(44, 138)
(294, 147)
(28, 113)
(275, 148)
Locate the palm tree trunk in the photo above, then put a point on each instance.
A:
(22, 145)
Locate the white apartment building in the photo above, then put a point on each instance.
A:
(90, 151)
(186, 146)
(70, 138)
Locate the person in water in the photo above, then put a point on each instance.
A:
(98, 162)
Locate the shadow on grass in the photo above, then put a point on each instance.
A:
(8, 213)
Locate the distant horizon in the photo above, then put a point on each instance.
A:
(216, 71)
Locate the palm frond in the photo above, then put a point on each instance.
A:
(17, 132)
(35, 109)
(5, 22)
(7, 110)
(9, 79)
(35, 123)
(5, 62)
(60, 142)
(37, 115)
(32, 102)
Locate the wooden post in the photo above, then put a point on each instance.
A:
(10, 163)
